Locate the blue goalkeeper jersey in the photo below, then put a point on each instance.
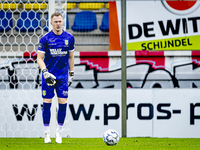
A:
(56, 49)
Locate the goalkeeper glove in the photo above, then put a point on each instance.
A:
(70, 78)
(49, 78)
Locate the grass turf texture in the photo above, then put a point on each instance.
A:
(98, 144)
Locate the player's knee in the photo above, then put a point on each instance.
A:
(47, 100)
(62, 100)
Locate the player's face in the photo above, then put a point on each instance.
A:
(57, 23)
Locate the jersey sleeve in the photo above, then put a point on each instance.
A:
(71, 47)
(41, 46)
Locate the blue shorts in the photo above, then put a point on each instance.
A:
(61, 88)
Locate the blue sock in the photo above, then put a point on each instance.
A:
(46, 113)
(61, 113)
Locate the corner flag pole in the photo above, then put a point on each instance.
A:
(123, 66)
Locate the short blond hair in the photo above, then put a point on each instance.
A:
(56, 14)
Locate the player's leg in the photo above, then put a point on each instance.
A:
(62, 109)
(62, 93)
(47, 94)
(46, 115)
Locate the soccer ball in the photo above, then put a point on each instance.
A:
(111, 137)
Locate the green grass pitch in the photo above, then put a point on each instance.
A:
(98, 144)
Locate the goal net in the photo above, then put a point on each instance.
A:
(22, 24)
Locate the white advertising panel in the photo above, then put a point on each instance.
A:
(138, 111)
(162, 25)
(21, 113)
(177, 113)
(150, 113)
(94, 111)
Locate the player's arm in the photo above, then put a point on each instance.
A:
(49, 78)
(71, 67)
(40, 61)
(71, 61)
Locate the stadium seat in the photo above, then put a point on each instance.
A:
(11, 6)
(105, 22)
(28, 21)
(85, 21)
(107, 5)
(46, 26)
(68, 6)
(34, 6)
(90, 6)
(6, 21)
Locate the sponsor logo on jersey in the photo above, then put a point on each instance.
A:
(65, 93)
(66, 42)
(58, 52)
(43, 92)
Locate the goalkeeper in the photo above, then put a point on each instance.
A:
(56, 60)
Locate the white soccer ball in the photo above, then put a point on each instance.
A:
(111, 137)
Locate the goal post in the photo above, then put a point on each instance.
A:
(54, 101)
